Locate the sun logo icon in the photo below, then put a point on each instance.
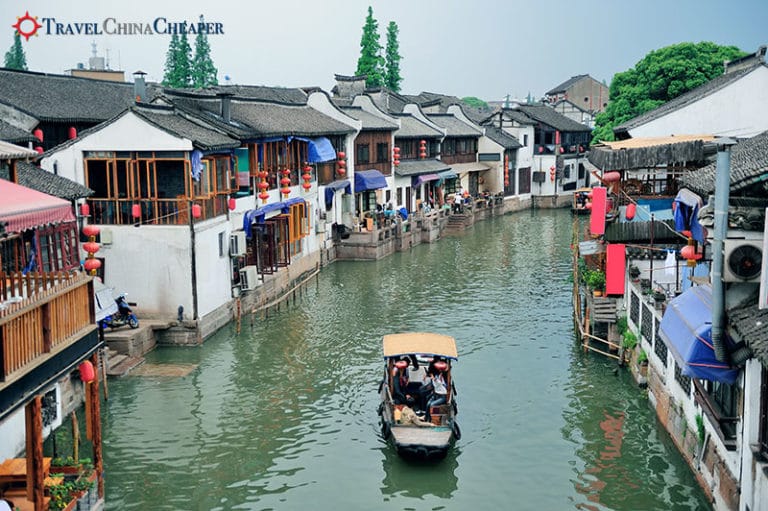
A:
(26, 20)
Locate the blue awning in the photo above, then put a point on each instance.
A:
(686, 328)
(258, 216)
(369, 180)
(447, 174)
(332, 188)
(423, 178)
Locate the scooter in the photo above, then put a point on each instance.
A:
(124, 316)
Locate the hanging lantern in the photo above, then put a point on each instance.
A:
(91, 231)
(307, 177)
(232, 203)
(396, 156)
(423, 149)
(264, 196)
(135, 211)
(588, 205)
(631, 210)
(341, 167)
(38, 133)
(263, 175)
(552, 173)
(263, 185)
(611, 177)
(91, 265)
(581, 148)
(689, 253)
(91, 247)
(85, 209)
(196, 211)
(39, 149)
(72, 132)
(87, 373)
(541, 149)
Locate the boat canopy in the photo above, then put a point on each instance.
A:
(419, 342)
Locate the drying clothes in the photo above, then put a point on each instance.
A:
(670, 263)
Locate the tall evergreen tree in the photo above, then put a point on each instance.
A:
(183, 62)
(203, 71)
(392, 76)
(371, 63)
(15, 58)
(169, 77)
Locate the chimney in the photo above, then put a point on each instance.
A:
(139, 86)
(226, 101)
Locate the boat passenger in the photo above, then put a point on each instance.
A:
(439, 394)
(400, 394)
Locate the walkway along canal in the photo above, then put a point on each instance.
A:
(283, 414)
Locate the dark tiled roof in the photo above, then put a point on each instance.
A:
(370, 121)
(512, 114)
(502, 138)
(49, 97)
(751, 323)
(411, 127)
(454, 126)
(176, 124)
(566, 84)
(34, 177)
(686, 99)
(287, 95)
(387, 101)
(417, 167)
(547, 115)
(11, 133)
(749, 165)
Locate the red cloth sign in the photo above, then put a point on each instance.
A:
(615, 268)
(597, 218)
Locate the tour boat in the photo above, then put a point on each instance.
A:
(416, 354)
(581, 197)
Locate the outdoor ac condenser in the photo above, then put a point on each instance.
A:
(249, 278)
(743, 260)
(237, 243)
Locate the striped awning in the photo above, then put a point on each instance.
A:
(22, 208)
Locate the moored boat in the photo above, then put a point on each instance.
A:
(418, 396)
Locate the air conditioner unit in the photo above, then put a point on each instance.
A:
(249, 278)
(237, 244)
(743, 260)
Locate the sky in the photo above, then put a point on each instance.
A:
(483, 48)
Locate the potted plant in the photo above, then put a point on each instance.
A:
(65, 465)
(642, 361)
(634, 273)
(595, 280)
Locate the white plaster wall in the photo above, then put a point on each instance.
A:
(494, 177)
(214, 287)
(366, 103)
(13, 433)
(754, 484)
(322, 103)
(738, 110)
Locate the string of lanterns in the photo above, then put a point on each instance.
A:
(506, 171)
(307, 177)
(423, 149)
(91, 264)
(396, 156)
(341, 163)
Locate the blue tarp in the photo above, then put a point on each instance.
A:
(257, 216)
(445, 175)
(332, 188)
(320, 148)
(687, 213)
(369, 180)
(686, 328)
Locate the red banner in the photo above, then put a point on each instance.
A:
(615, 268)
(597, 218)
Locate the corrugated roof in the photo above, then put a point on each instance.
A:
(370, 121)
(416, 167)
(649, 152)
(32, 176)
(411, 127)
(634, 143)
(749, 165)
(49, 97)
(686, 99)
(454, 126)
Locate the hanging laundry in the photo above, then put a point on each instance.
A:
(670, 263)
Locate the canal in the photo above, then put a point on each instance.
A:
(283, 415)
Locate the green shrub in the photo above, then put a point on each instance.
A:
(621, 325)
(642, 357)
(630, 340)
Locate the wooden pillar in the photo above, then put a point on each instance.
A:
(34, 438)
(95, 421)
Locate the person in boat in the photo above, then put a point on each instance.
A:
(400, 382)
(435, 379)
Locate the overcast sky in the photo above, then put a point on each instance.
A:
(483, 48)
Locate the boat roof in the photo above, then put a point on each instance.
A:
(419, 342)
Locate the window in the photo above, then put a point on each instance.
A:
(382, 152)
(298, 226)
(524, 180)
(363, 154)
(221, 244)
(719, 402)
(683, 380)
(525, 140)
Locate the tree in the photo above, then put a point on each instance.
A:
(169, 76)
(392, 76)
(203, 71)
(662, 75)
(371, 63)
(14, 57)
(474, 102)
(178, 71)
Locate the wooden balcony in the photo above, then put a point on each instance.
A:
(43, 315)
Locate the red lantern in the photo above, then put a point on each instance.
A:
(541, 149)
(72, 133)
(341, 167)
(264, 196)
(307, 185)
(85, 209)
(39, 149)
(285, 182)
(38, 133)
(611, 177)
(196, 211)
(92, 265)
(91, 230)
(263, 185)
(552, 173)
(87, 373)
(232, 203)
(631, 210)
(91, 247)
(689, 252)
(263, 174)
(396, 163)
(285, 191)
(135, 211)
(588, 205)
(306, 177)
(340, 155)
(396, 150)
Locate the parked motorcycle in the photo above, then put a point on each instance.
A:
(124, 315)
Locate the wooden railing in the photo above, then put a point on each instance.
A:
(154, 211)
(41, 313)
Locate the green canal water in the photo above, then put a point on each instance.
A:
(283, 415)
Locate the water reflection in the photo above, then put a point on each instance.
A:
(419, 479)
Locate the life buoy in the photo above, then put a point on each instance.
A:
(385, 430)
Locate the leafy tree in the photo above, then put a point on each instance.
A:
(662, 75)
(392, 76)
(15, 58)
(203, 71)
(178, 72)
(371, 63)
(169, 75)
(474, 102)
